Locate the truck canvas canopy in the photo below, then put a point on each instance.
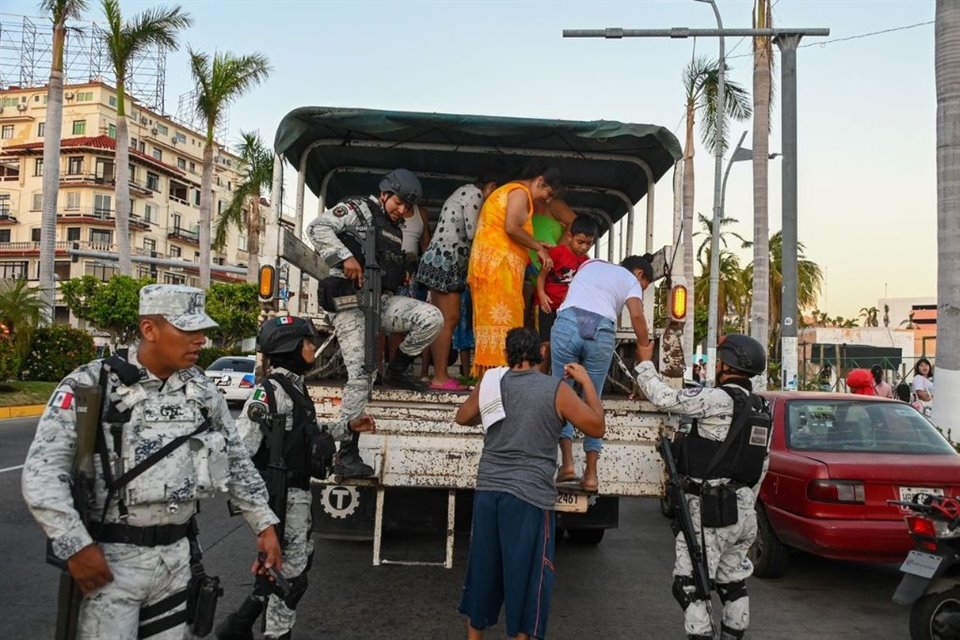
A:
(607, 165)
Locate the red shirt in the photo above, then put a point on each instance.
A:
(565, 265)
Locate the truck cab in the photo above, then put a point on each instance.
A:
(420, 456)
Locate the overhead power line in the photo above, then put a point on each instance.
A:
(854, 37)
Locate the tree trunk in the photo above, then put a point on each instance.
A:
(688, 182)
(53, 126)
(121, 172)
(946, 402)
(760, 307)
(253, 240)
(206, 205)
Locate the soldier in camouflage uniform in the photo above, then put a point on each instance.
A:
(132, 560)
(336, 234)
(290, 344)
(741, 469)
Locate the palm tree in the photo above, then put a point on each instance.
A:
(762, 99)
(60, 12)
(125, 40)
(256, 162)
(946, 408)
(22, 308)
(700, 80)
(707, 234)
(220, 80)
(731, 284)
(869, 315)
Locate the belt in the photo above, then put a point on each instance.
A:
(158, 535)
(696, 488)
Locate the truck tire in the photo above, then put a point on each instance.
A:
(586, 536)
(768, 555)
(931, 611)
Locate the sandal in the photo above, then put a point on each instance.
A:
(568, 477)
(590, 487)
(449, 385)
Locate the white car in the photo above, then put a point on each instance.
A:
(234, 377)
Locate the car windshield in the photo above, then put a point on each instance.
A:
(850, 425)
(240, 365)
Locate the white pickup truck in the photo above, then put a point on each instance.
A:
(422, 459)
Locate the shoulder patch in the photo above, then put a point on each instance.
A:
(692, 391)
(62, 399)
(259, 395)
(340, 210)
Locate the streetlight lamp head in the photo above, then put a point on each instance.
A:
(774, 155)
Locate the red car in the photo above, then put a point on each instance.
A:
(835, 461)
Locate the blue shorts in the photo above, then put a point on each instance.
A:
(463, 337)
(511, 563)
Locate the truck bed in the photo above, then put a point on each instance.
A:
(417, 443)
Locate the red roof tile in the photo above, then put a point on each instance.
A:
(95, 142)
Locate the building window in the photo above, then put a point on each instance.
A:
(35, 235)
(179, 192)
(61, 270)
(6, 131)
(101, 204)
(105, 170)
(149, 245)
(133, 143)
(179, 137)
(196, 197)
(113, 101)
(162, 129)
(175, 218)
(133, 173)
(193, 167)
(143, 147)
(101, 272)
(73, 200)
(79, 127)
(181, 163)
(74, 165)
(40, 127)
(157, 153)
(148, 213)
(174, 251)
(4, 235)
(73, 234)
(13, 270)
(85, 96)
(173, 278)
(112, 131)
(4, 204)
(153, 181)
(38, 166)
(37, 202)
(101, 236)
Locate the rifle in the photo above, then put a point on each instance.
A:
(275, 475)
(683, 522)
(370, 295)
(88, 403)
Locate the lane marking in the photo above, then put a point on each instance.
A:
(11, 469)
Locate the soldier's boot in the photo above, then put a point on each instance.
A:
(349, 464)
(397, 374)
(239, 624)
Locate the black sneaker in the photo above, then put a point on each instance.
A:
(402, 379)
(349, 464)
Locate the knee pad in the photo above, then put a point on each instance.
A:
(684, 590)
(730, 591)
(298, 587)
(729, 633)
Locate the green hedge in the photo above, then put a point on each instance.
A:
(56, 351)
(9, 358)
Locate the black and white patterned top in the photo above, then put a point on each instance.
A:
(443, 266)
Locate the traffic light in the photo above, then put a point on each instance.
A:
(678, 302)
(267, 283)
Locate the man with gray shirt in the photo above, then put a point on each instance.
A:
(511, 544)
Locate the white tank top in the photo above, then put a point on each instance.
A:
(412, 232)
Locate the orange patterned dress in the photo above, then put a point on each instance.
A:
(495, 276)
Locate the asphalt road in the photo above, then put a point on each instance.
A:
(619, 589)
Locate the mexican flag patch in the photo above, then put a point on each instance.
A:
(62, 400)
(284, 320)
(260, 396)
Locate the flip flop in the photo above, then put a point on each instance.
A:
(568, 477)
(590, 487)
(449, 385)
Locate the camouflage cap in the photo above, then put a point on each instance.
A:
(181, 306)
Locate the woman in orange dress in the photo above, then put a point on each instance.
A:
(499, 257)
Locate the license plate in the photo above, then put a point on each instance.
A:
(921, 564)
(572, 502)
(907, 493)
(224, 381)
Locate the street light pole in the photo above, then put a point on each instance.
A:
(718, 141)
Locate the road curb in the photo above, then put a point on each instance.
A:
(24, 411)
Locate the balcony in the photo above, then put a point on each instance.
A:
(6, 218)
(27, 249)
(182, 235)
(100, 217)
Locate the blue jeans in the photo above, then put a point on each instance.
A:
(595, 355)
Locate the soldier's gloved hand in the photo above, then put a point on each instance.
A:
(267, 543)
(353, 270)
(89, 568)
(363, 424)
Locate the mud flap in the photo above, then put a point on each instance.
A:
(910, 589)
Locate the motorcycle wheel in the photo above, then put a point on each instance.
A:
(929, 616)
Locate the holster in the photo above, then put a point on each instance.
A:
(203, 591)
(332, 289)
(718, 506)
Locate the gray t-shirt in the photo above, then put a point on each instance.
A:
(520, 452)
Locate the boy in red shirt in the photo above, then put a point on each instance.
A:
(552, 284)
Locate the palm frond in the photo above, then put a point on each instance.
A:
(222, 79)
(156, 27)
(736, 101)
(62, 10)
(232, 215)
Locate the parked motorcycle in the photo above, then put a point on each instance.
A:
(931, 572)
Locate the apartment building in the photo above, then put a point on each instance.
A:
(166, 162)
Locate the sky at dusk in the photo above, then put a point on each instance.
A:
(867, 165)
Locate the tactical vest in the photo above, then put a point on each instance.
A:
(296, 441)
(743, 461)
(389, 247)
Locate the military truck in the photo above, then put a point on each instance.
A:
(423, 461)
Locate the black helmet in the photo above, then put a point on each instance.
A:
(283, 333)
(743, 353)
(403, 184)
